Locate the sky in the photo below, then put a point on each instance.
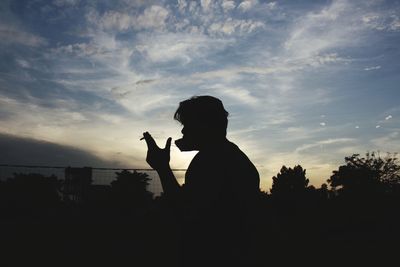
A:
(305, 82)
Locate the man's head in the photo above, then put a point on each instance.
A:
(204, 121)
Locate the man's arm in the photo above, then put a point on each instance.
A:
(158, 159)
(169, 183)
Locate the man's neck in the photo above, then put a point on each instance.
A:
(213, 144)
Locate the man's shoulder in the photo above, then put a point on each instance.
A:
(227, 155)
(236, 153)
(239, 160)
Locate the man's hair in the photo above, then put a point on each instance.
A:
(206, 110)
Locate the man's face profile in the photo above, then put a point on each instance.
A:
(204, 122)
(191, 137)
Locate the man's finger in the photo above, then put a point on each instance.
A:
(168, 144)
(149, 140)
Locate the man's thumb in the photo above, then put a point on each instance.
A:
(168, 144)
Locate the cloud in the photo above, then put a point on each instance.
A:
(271, 5)
(28, 151)
(182, 4)
(247, 5)
(181, 47)
(395, 23)
(193, 8)
(113, 20)
(388, 142)
(338, 25)
(231, 26)
(314, 61)
(388, 117)
(23, 63)
(322, 123)
(145, 81)
(372, 20)
(141, 98)
(229, 73)
(322, 28)
(334, 141)
(243, 96)
(80, 49)
(152, 18)
(206, 4)
(119, 93)
(382, 21)
(72, 123)
(216, 18)
(323, 59)
(228, 5)
(63, 3)
(10, 34)
(372, 68)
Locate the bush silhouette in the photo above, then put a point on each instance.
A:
(289, 183)
(129, 191)
(371, 174)
(30, 194)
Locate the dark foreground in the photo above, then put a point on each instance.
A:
(339, 231)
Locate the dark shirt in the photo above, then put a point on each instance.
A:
(221, 186)
(221, 177)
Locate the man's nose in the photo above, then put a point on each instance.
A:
(183, 130)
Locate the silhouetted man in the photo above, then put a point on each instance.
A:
(221, 184)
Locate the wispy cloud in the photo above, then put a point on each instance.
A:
(388, 142)
(63, 3)
(324, 27)
(382, 21)
(177, 48)
(388, 117)
(247, 5)
(228, 5)
(322, 143)
(153, 17)
(11, 35)
(243, 96)
(372, 68)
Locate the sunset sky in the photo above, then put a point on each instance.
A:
(305, 82)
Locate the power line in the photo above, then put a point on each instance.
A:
(94, 168)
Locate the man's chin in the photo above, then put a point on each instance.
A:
(185, 144)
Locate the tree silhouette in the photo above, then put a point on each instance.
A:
(289, 182)
(129, 190)
(323, 192)
(30, 194)
(366, 175)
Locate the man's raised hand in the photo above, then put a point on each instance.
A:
(157, 158)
